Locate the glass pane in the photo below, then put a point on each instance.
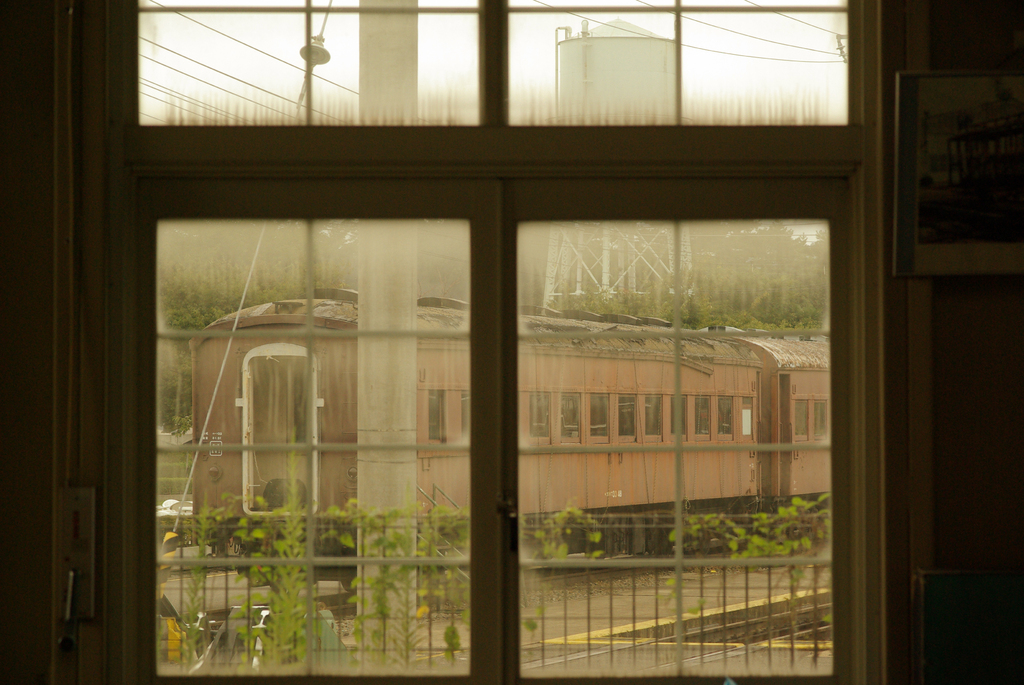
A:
(539, 415)
(820, 419)
(627, 416)
(599, 416)
(679, 416)
(702, 411)
(652, 416)
(571, 417)
(724, 68)
(313, 457)
(800, 418)
(391, 66)
(725, 416)
(644, 556)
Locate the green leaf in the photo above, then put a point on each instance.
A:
(530, 625)
(452, 639)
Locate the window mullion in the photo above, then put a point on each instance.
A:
(494, 63)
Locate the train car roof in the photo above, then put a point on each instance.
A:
(794, 354)
(326, 312)
(708, 348)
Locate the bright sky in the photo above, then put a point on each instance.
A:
(246, 68)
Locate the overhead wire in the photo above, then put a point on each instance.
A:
(191, 100)
(696, 47)
(222, 73)
(242, 97)
(740, 33)
(171, 104)
(217, 71)
(262, 52)
(143, 114)
(801, 21)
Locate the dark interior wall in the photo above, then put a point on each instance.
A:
(978, 465)
(974, 35)
(26, 279)
(978, 355)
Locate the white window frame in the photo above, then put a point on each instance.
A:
(502, 176)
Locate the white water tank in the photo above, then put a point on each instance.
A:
(616, 73)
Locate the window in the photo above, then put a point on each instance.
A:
(571, 416)
(725, 416)
(748, 416)
(678, 405)
(652, 416)
(436, 415)
(540, 415)
(627, 416)
(465, 415)
(599, 416)
(332, 65)
(702, 411)
(800, 419)
(499, 180)
(603, 505)
(820, 419)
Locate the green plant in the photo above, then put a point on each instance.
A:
(551, 540)
(280, 640)
(393, 599)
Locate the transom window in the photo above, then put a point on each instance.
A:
(399, 63)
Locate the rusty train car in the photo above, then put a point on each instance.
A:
(605, 399)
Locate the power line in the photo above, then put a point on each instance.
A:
(218, 71)
(222, 73)
(695, 47)
(739, 33)
(168, 102)
(253, 47)
(143, 114)
(191, 100)
(805, 23)
(179, 71)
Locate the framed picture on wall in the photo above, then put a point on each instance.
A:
(959, 173)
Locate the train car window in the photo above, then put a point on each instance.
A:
(437, 415)
(570, 416)
(748, 416)
(800, 419)
(627, 417)
(725, 416)
(678, 407)
(540, 415)
(599, 416)
(820, 418)
(465, 416)
(652, 416)
(702, 415)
